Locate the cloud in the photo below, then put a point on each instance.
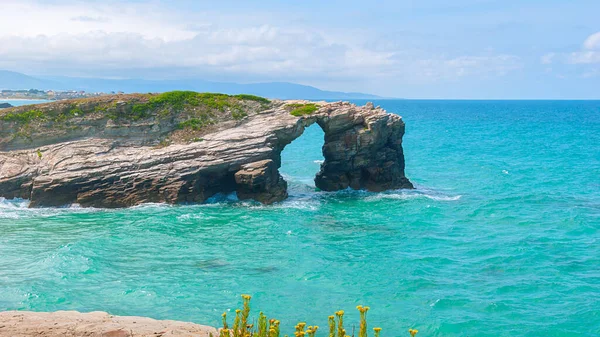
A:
(592, 42)
(582, 63)
(84, 18)
(589, 54)
(548, 58)
(584, 57)
(102, 39)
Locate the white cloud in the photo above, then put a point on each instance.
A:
(452, 68)
(592, 42)
(584, 57)
(25, 18)
(100, 38)
(548, 58)
(589, 54)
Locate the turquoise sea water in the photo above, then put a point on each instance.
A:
(501, 238)
(19, 102)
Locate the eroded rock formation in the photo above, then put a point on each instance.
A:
(5, 105)
(101, 156)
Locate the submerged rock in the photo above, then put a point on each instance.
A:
(124, 150)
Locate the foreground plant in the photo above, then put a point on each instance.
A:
(270, 327)
(362, 332)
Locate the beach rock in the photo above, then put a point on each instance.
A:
(73, 323)
(99, 161)
(5, 105)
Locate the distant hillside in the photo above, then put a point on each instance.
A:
(282, 90)
(14, 80)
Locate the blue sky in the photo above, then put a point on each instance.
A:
(414, 49)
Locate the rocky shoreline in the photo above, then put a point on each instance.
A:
(94, 324)
(125, 150)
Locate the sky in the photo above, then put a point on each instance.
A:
(460, 49)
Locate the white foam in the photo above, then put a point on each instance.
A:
(19, 208)
(412, 194)
(14, 203)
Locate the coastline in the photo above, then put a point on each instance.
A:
(97, 323)
(25, 99)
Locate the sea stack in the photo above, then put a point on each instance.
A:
(184, 147)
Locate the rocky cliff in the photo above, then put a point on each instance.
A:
(184, 147)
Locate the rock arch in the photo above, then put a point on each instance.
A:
(362, 150)
(101, 164)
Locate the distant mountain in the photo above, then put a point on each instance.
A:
(282, 90)
(14, 80)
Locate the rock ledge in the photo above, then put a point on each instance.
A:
(93, 324)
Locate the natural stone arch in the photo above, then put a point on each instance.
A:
(362, 150)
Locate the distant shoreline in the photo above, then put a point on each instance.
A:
(24, 99)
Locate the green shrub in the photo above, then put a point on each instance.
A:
(205, 107)
(75, 111)
(246, 97)
(215, 101)
(100, 109)
(237, 113)
(176, 101)
(24, 117)
(300, 110)
(195, 123)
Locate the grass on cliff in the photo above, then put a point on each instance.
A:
(23, 117)
(174, 102)
(36, 115)
(299, 109)
(201, 110)
(270, 327)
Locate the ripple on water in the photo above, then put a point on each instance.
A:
(473, 251)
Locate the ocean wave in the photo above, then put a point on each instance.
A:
(13, 203)
(412, 195)
(302, 196)
(421, 193)
(152, 205)
(19, 208)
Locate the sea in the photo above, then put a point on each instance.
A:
(501, 237)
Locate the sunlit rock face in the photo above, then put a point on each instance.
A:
(99, 155)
